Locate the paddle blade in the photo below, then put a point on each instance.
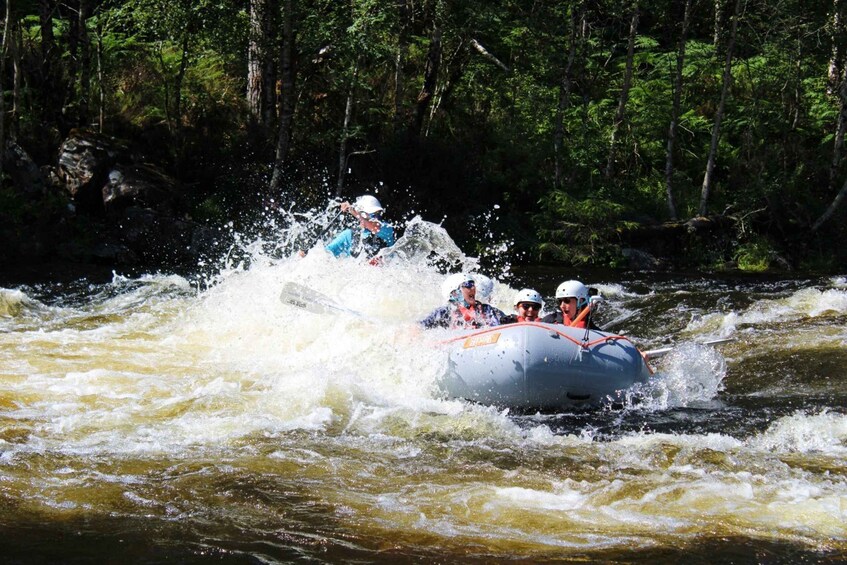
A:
(305, 298)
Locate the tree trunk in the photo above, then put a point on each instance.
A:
(677, 96)
(583, 76)
(796, 111)
(50, 100)
(4, 49)
(84, 62)
(254, 60)
(837, 33)
(399, 60)
(180, 78)
(16, 45)
(716, 128)
(257, 56)
(286, 118)
(620, 115)
(348, 117)
(445, 87)
(269, 105)
(101, 88)
(839, 198)
(838, 146)
(577, 14)
(179, 145)
(837, 84)
(72, 65)
(431, 68)
(841, 125)
(718, 33)
(166, 89)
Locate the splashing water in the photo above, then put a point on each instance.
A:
(689, 376)
(187, 418)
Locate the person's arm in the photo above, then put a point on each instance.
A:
(438, 318)
(498, 314)
(491, 314)
(371, 224)
(341, 244)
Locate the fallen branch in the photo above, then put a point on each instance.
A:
(485, 53)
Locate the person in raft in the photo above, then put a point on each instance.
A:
(374, 232)
(573, 298)
(528, 305)
(463, 310)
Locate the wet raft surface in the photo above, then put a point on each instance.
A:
(536, 366)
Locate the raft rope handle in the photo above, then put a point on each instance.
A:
(583, 344)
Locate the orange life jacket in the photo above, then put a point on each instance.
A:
(469, 317)
(580, 324)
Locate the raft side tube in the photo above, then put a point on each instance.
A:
(541, 366)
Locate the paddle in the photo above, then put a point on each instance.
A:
(618, 321)
(328, 226)
(322, 233)
(594, 300)
(656, 353)
(310, 300)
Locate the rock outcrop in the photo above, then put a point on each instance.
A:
(111, 209)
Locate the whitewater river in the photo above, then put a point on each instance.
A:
(160, 418)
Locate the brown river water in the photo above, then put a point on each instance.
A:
(162, 418)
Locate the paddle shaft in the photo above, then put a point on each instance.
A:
(581, 315)
(656, 353)
(328, 226)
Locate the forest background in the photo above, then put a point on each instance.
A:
(711, 132)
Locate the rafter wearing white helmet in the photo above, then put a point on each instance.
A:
(373, 233)
(368, 204)
(572, 297)
(463, 309)
(528, 305)
(573, 289)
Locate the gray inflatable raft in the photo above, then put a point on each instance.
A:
(535, 366)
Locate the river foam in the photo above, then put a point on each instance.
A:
(214, 408)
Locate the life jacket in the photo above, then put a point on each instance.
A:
(366, 243)
(464, 317)
(471, 317)
(560, 319)
(582, 324)
(370, 244)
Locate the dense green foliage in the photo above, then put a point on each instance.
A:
(453, 107)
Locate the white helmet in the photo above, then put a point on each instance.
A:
(452, 283)
(484, 285)
(528, 295)
(573, 289)
(368, 204)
